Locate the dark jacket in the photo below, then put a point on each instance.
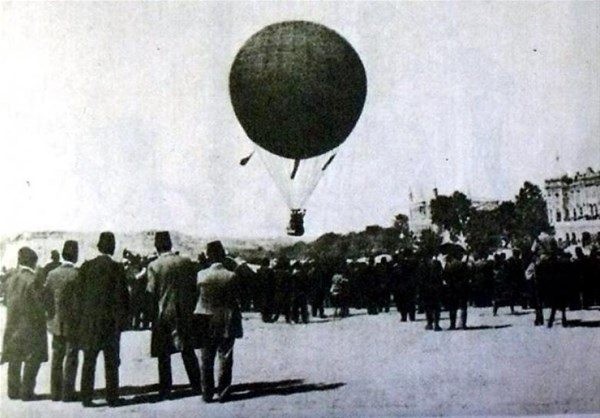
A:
(25, 336)
(61, 289)
(172, 285)
(104, 302)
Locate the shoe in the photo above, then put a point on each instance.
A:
(207, 397)
(164, 393)
(87, 403)
(428, 327)
(112, 403)
(224, 395)
(437, 328)
(26, 397)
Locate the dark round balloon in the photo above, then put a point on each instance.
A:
(297, 88)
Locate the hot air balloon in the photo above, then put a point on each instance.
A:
(297, 89)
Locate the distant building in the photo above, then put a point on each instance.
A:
(419, 211)
(573, 204)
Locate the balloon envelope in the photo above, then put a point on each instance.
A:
(297, 88)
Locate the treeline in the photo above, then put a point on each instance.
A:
(483, 229)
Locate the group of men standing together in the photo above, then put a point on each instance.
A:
(429, 281)
(86, 309)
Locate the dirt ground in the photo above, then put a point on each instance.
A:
(368, 366)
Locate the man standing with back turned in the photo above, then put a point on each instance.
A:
(62, 288)
(171, 282)
(24, 346)
(219, 302)
(104, 309)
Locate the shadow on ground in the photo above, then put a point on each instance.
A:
(144, 394)
(245, 391)
(149, 393)
(585, 324)
(482, 327)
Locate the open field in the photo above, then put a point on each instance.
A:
(369, 366)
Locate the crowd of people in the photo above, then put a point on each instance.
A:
(197, 304)
(86, 309)
(427, 282)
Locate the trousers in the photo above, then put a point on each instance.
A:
(223, 347)
(190, 361)
(63, 370)
(22, 387)
(111, 370)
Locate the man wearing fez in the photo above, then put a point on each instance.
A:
(104, 303)
(25, 341)
(171, 281)
(219, 303)
(63, 315)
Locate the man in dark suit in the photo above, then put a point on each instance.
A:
(104, 307)
(429, 276)
(25, 340)
(61, 291)
(172, 283)
(455, 275)
(219, 302)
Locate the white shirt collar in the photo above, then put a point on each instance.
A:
(27, 268)
(68, 263)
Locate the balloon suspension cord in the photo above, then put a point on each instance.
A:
(245, 160)
(295, 169)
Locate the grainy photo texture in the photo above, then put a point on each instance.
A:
(299, 209)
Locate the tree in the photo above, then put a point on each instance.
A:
(429, 242)
(531, 217)
(451, 213)
(483, 232)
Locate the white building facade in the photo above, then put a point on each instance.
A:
(573, 205)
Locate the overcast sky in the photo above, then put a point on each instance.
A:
(117, 115)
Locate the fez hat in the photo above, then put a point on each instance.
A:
(162, 241)
(215, 250)
(27, 257)
(106, 243)
(70, 250)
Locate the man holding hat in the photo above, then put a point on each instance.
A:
(104, 307)
(25, 340)
(63, 314)
(219, 302)
(171, 282)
